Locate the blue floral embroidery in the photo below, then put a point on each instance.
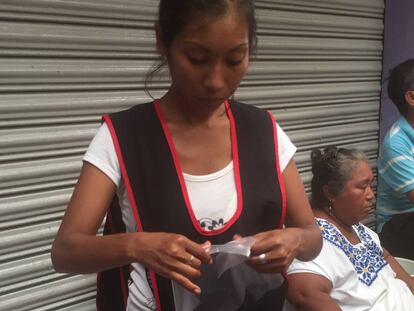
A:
(367, 259)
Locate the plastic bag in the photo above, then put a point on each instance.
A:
(226, 283)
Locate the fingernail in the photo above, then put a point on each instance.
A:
(197, 290)
(207, 246)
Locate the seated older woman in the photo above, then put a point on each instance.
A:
(352, 272)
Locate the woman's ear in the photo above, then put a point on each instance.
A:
(327, 192)
(409, 98)
(158, 37)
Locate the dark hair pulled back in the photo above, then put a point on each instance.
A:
(173, 16)
(332, 167)
(400, 81)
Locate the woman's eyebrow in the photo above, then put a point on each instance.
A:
(197, 45)
(206, 49)
(240, 46)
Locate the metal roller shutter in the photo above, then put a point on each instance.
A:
(64, 63)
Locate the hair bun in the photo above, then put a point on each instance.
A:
(330, 152)
(316, 158)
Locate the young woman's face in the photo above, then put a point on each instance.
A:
(208, 58)
(355, 201)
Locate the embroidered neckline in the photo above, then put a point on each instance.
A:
(366, 257)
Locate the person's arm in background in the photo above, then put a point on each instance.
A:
(300, 239)
(397, 169)
(310, 292)
(399, 270)
(410, 196)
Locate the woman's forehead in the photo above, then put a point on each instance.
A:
(362, 170)
(202, 29)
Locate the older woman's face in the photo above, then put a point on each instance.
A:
(355, 201)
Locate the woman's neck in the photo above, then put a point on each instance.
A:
(346, 229)
(338, 221)
(179, 110)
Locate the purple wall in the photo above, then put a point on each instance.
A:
(398, 46)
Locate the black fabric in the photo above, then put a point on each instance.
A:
(109, 296)
(397, 235)
(157, 191)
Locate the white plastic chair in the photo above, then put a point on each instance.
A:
(407, 264)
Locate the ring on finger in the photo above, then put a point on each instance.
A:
(190, 260)
(262, 258)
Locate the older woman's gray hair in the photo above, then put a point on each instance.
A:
(332, 167)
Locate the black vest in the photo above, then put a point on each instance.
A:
(159, 199)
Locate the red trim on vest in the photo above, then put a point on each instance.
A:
(130, 196)
(155, 289)
(236, 166)
(279, 174)
(180, 176)
(123, 171)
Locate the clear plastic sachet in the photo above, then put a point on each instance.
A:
(227, 282)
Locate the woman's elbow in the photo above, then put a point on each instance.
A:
(58, 255)
(314, 245)
(318, 242)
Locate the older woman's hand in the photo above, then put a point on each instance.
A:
(171, 255)
(273, 251)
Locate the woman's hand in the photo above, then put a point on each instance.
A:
(171, 255)
(273, 251)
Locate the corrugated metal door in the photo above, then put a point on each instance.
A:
(64, 63)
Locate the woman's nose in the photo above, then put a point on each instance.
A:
(214, 79)
(370, 194)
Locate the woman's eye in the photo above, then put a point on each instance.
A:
(234, 62)
(196, 60)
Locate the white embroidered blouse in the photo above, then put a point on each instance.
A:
(361, 278)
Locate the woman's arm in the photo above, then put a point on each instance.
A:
(399, 270)
(77, 248)
(301, 238)
(310, 292)
(299, 215)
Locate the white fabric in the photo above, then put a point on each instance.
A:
(212, 197)
(359, 283)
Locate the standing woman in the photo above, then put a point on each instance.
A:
(186, 170)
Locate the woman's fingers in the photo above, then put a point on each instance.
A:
(272, 252)
(184, 272)
(173, 256)
(199, 252)
(184, 282)
(237, 237)
(265, 242)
